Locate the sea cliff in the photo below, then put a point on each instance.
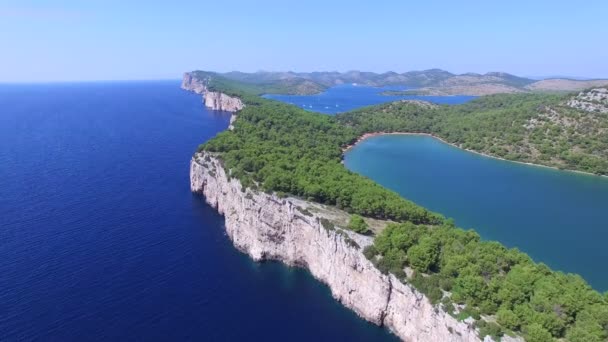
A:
(267, 227)
(212, 99)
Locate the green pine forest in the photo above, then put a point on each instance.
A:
(275, 147)
(532, 128)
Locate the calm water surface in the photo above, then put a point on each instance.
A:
(347, 97)
(101, 239)
(557, 217)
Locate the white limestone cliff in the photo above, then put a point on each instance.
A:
(267, 227)
(212, 99)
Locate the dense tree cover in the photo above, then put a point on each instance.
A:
(217, 82)
(535, 128)
(490, 279)
(309, 82)
(358, 225)
(281, 148)
(285, 149)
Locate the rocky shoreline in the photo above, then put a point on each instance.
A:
(212, 99)
(267, 227)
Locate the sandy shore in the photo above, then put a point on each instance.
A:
(374, 134)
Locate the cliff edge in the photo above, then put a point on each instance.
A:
(212, 99)
(267, 227)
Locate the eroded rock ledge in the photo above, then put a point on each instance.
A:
(212, 99)
(270, 228)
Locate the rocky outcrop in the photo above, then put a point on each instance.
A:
(193, 84)
(212, 99)
(221, 101)
(593, 100)
(232, 120)
(267, 227)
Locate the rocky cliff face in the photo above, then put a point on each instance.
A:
(267, 227)
(212, 99)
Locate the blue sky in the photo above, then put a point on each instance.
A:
(117, 40)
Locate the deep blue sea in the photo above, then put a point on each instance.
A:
(101, 239)
(557, 217)
(347, 97)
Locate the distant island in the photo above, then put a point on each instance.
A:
(277, 177)
(426, 82)
(498, 83)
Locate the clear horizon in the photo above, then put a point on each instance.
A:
(111, 40)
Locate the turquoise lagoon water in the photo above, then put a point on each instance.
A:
(557, 217)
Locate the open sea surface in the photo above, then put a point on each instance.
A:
(101, 239)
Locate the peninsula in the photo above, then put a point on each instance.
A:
(277, 177)
(425, 82)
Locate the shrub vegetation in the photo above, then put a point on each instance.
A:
(535, 128)
(283, 149)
